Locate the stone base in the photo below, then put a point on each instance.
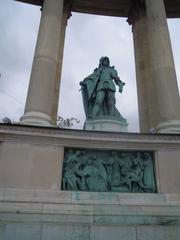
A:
(36, 118)
(33, 206)
(109, 125)
(51, 215)
(172, 126)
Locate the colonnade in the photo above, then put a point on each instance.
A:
(158, 96)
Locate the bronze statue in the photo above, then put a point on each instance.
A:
(98, 91)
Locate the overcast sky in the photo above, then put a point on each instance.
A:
(88, 37)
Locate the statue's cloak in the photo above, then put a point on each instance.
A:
(88, 89)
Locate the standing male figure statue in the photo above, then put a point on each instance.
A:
(98, 91)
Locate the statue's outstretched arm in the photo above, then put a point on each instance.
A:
(120, 85)
(118, 81)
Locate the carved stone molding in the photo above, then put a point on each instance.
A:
(88, 139)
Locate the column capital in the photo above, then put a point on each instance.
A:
(67, 8)
(136, 10)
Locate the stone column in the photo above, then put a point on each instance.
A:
(40, 96)
(66, 16)
(163, 73)
(145, 87)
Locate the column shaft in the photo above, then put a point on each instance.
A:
(163, 73)
(39, 101)
(66, 15)
(145, 86)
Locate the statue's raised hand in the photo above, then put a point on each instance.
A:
(121, 85)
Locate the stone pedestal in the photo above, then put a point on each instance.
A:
(32, 157)
(171, 126)
(33, 206)
(53, 215)
(110, 125)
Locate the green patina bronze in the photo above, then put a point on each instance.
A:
(108, 171)
(98, 92)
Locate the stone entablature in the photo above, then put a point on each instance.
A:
(111, 8)
(95, 139)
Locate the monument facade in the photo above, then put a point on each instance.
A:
(43, 198)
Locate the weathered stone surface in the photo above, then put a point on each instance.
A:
(20, 207)
(113, 233)
(93, 197)
(65, 232)
(1, 231)
(158, 232)
(88, 216)
(22, 231)
(38, 167)
(169, 165)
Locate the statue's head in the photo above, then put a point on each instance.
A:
(104, 61)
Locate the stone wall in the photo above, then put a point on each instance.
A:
(51, 215)
(32, 157)
(33, 206)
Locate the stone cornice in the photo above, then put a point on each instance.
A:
(80, 138)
